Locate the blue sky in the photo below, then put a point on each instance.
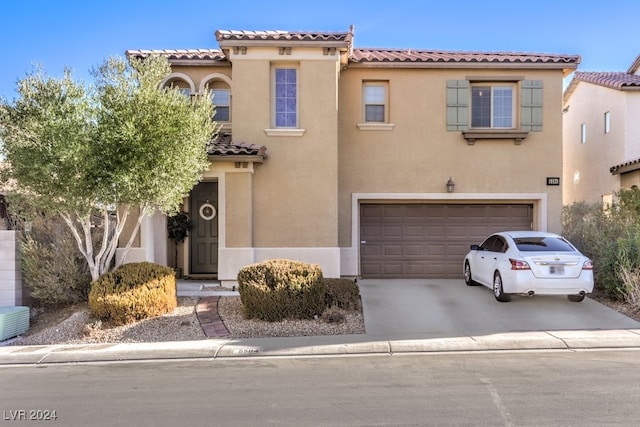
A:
(81, 34)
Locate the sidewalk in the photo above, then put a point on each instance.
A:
(339, 345)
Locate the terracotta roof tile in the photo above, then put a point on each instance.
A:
(208, 54)
(226, 35)
(223, 146)
(625, 167)
(360, 55)
(614, 80)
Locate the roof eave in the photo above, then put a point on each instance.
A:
(566, 68)
(236, 158)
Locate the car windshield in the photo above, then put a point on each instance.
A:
(543, 244)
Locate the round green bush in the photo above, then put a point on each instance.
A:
(278, 289)
(133, 292)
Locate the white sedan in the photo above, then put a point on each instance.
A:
(529, 263)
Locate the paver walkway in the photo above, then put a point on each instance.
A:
(207, 313)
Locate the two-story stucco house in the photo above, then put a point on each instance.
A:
(601, 134)
(369, 162)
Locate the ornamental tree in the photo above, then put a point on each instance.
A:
(101, 155)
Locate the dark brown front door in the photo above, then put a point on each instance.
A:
(204, 235)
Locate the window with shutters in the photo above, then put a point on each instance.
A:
(492, 106)
(493, 109)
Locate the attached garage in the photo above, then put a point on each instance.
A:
(429, 240)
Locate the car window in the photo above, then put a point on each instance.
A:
(489, 244)
(500, 245)
(543, 244)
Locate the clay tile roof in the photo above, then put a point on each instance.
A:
(223, 146)
(629, 166)
(175, 54)
(231, 35)
(428, 56)
(614, 80)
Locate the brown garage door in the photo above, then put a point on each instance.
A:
(429, 241)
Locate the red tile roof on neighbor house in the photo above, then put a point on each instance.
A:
(613, 80)
(629, 166)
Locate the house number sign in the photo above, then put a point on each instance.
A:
(207, 211)
(553, 180)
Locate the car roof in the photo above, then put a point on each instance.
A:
(519, 234)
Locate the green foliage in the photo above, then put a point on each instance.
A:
(133, 292)
(610, 236)
(342, 293)
(123, 142)
(178, 226)
(278, 289)
(52, 268)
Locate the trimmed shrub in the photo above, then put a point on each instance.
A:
(342, 293)
(53, 269)
(133, 292)
(278, 289)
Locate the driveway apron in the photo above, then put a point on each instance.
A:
(434, 308)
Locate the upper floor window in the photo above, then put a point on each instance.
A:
(375, 102)
(492, 106)
(607, 122)
(221, 99)
(286, 97)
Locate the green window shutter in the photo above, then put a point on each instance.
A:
(457, 105)
(531, 105)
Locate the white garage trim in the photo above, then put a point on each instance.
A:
(350, 257)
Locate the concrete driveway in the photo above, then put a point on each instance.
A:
(433, 308)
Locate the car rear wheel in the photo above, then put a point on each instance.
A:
(498, 290)
(467, 275)
(576, 298)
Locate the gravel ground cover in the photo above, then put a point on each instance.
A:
(74, 325)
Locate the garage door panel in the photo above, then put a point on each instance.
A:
(414, 231)
(429, 240)
(392, 250)
(414, 250)
(392, 231)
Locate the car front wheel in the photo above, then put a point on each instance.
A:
(467, 275)
(498, 290)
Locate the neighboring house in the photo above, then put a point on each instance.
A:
(341, 156)
(601, 134)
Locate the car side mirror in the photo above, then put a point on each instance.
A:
(475, 247)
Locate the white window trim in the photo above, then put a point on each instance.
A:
(607, 121)
(375, 126)
(583, 133)
(285, 132)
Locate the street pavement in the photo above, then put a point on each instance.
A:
(401, 316)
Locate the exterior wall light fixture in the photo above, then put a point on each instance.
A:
(450, 185)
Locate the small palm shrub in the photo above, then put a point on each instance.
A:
(277, 289)
(133, 292)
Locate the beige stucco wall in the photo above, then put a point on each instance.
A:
(295, 194)
(419, 155)
(586, 166)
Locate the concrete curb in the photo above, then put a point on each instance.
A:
(339, 345)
